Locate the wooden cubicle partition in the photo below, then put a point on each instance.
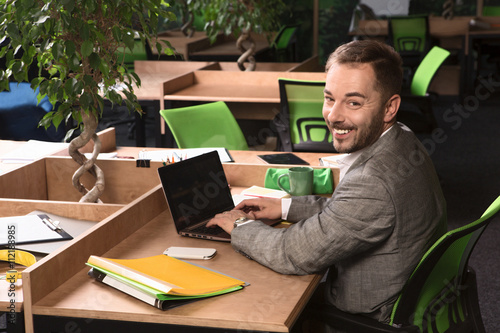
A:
(250, 95)
(53, 270)
(58, 286)
(51, 179)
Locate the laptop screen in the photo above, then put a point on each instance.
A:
(196, 189)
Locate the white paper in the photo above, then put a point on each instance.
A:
(181, 154)
(27, 228)
(33, 150)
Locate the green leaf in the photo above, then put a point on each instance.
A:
(117, 33)
(74, 63)
(87, 48)
(69, 87)
(57, 51)
(94, 60)
(128, 39)
(46, 121)
(70, 47)
(86, 101)
(69, 5)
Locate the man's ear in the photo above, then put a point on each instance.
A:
(391, 108)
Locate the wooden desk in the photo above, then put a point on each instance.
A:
(182, 44)
(225, 49)
(452, 34)
(142, 228)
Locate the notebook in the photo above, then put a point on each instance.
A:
(196, 189)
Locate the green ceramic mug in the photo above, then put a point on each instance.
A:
(301, 181)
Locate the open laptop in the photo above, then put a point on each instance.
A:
(196, 189)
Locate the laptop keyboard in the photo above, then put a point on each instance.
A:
(202, 229)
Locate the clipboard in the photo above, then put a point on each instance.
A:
(30, 229)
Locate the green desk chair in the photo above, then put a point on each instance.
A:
(410, 37)
(422, 119)
(300, 123)
(139, 52)
(440, 295)
(205, 126)
(284, 44)
(491, 10)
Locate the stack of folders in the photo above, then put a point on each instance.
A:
(162, 281)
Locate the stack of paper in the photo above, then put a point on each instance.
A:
(161, 281)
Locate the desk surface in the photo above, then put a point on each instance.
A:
(271, 302)
(248, 87)
(281, 297)
(438, 27)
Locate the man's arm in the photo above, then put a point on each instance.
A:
(358, 217)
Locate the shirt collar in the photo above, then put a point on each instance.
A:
(346, 161)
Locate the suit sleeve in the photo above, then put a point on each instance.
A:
(359, 216)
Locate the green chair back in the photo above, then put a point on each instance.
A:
(427, 69)
(205, 126)
(409, 33)
(139, 52)
(437, 296)
(285, 44)
(491, 10)
(303, 126)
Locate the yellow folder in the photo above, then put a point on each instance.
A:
(167, 274)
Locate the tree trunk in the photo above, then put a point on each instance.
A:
(247, 53)
(88, 133)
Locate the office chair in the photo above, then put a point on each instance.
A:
(284, 45)
(410, 37)
(205, 126)
(300, 123)
(440, 295)
(422, 119)
(20, 114)
(140, 51)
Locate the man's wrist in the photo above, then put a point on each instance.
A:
(241, 221)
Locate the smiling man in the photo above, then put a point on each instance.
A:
(387, 209)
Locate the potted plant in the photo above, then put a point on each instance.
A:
(240, 18)
(76, 44)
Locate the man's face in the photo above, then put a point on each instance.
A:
(353, 109)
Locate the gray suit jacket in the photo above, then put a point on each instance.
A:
(384, 214)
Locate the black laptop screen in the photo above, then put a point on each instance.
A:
(196, 189)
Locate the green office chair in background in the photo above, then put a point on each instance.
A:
(140, 52)
(205, 126)
(410, 37)
(440, 295)
(300, 123)
(422, 119)
(284, 45)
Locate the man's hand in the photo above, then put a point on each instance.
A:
(261, 208)
(226, 220)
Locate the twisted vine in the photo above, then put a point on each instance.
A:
(90, 125)
(448, 9)
(247, 54)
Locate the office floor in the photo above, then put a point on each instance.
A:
(467, 157)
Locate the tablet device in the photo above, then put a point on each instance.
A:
(284, 158)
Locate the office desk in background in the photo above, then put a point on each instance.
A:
(456, 34)
(249, 95)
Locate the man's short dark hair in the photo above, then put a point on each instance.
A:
(385, 61)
